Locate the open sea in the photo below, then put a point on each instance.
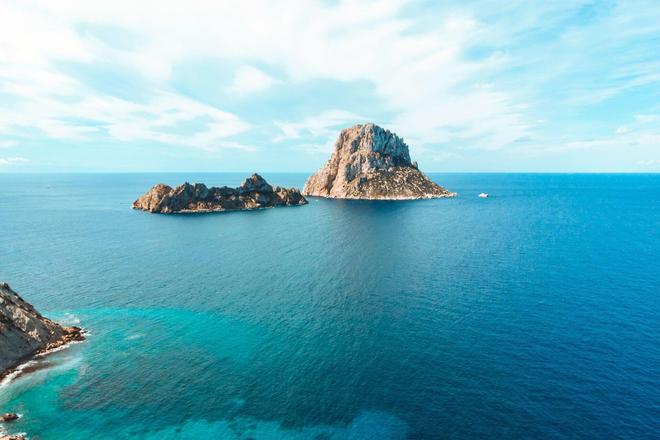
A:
(532, 314)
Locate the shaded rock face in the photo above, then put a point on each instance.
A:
(370, 162)
(25, 333)
(254, 193)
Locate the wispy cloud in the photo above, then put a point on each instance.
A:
(626, 148)
(12, 160)
(444, 156)
(321, 148)
(162, 119)
(647, 118)
(60, 106)
(321, 125)
(417, 76)
(649, 162)
(8, 144)
(248, 79)
(450, 78)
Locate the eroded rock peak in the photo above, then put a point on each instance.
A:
(370, 162)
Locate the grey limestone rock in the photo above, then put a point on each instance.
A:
(370, 162)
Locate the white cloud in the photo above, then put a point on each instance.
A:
(7, 144)
(649, 162)
(12, 160)
(61, 107)
(323, 124)
(444, 156)
(647, 118)
(623, 145)
(420, 74)
(419, 67)
(158, 120)
(248, 79)
(323, 149)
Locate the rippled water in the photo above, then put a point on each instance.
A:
(532, 314)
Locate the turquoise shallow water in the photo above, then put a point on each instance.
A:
(531, 314)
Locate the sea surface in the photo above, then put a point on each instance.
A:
(532, 314)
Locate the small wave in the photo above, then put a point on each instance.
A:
(45, 353)
(69, 319)
(17, 372)
(35, 361)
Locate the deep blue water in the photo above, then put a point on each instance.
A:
(532, 314)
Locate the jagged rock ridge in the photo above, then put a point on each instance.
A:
(370, 162)
(254, 193)
(24, 332)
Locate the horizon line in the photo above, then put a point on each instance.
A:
(312, 172)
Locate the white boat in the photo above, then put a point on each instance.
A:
(483, 195)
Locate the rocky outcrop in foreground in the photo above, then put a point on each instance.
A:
(24, 333)
(10, 417)
(370, 162)
(254, 193)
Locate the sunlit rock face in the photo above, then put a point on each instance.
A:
(370, 162)
(254, 193)
(24, 332)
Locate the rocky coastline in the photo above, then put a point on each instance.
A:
(254, 193)
(26, 334)
(372, 163)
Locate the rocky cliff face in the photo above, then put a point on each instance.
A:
(25, 333)
(254, 193)
(371, 163)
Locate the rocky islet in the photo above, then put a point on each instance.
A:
(254, 193)
(372, 163)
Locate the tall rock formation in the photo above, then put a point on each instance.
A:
(25, 333)
(370, 162)
(254, 193)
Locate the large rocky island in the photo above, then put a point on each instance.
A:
(254, 193)
(25, 333)
(370, 162)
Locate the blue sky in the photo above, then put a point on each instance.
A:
(566, 86)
